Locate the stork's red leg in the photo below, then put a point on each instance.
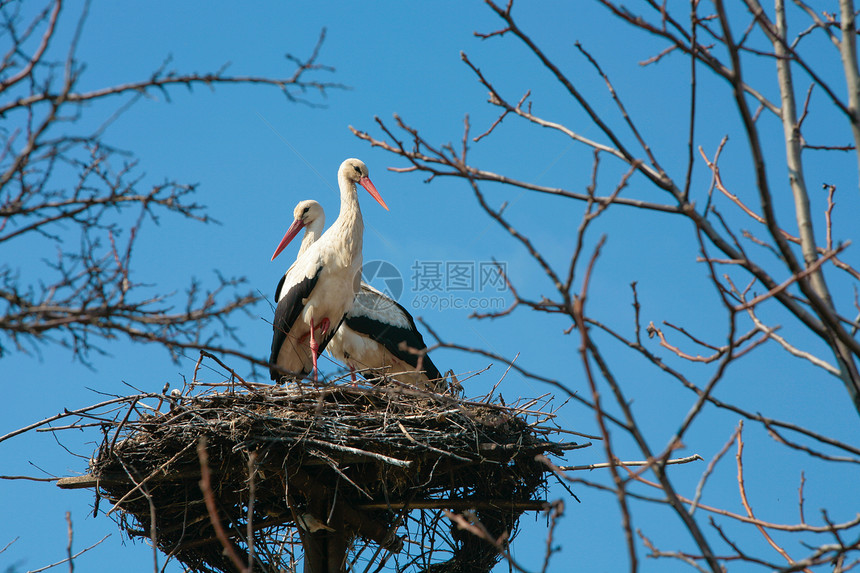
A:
(324, 325)
(315, 349)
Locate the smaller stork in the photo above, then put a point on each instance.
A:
(318, 289)
(378, 333)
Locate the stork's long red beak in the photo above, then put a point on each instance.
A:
(371, 188)
(294, 229)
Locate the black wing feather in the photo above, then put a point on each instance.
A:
(427, 364)
(324, 342)
(390, 336)
(280, 284)
(288, 310)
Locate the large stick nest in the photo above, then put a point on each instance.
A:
(379, 464)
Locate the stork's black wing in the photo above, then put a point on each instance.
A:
(288, 310)
(280, 284)
(384, 320)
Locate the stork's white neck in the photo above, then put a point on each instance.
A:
(312, 233)
(349, 226)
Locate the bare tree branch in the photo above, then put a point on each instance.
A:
(786, 272)
(61, 185)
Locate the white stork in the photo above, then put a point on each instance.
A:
(370, 336)
(378, 334)
(318, 289)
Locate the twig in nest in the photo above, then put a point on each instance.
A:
(209, 498)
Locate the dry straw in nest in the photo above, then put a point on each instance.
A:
(366, 472)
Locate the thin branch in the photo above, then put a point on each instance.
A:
(745, 501)
(685, 460)
(209, 499)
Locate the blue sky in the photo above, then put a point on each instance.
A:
(254, 156)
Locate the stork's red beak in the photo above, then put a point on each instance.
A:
(294, 229)
(371, 188)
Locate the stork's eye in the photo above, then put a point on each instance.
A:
(357, 169)
(306, 210)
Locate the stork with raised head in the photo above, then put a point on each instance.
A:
(378, 334)
(318, 289)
